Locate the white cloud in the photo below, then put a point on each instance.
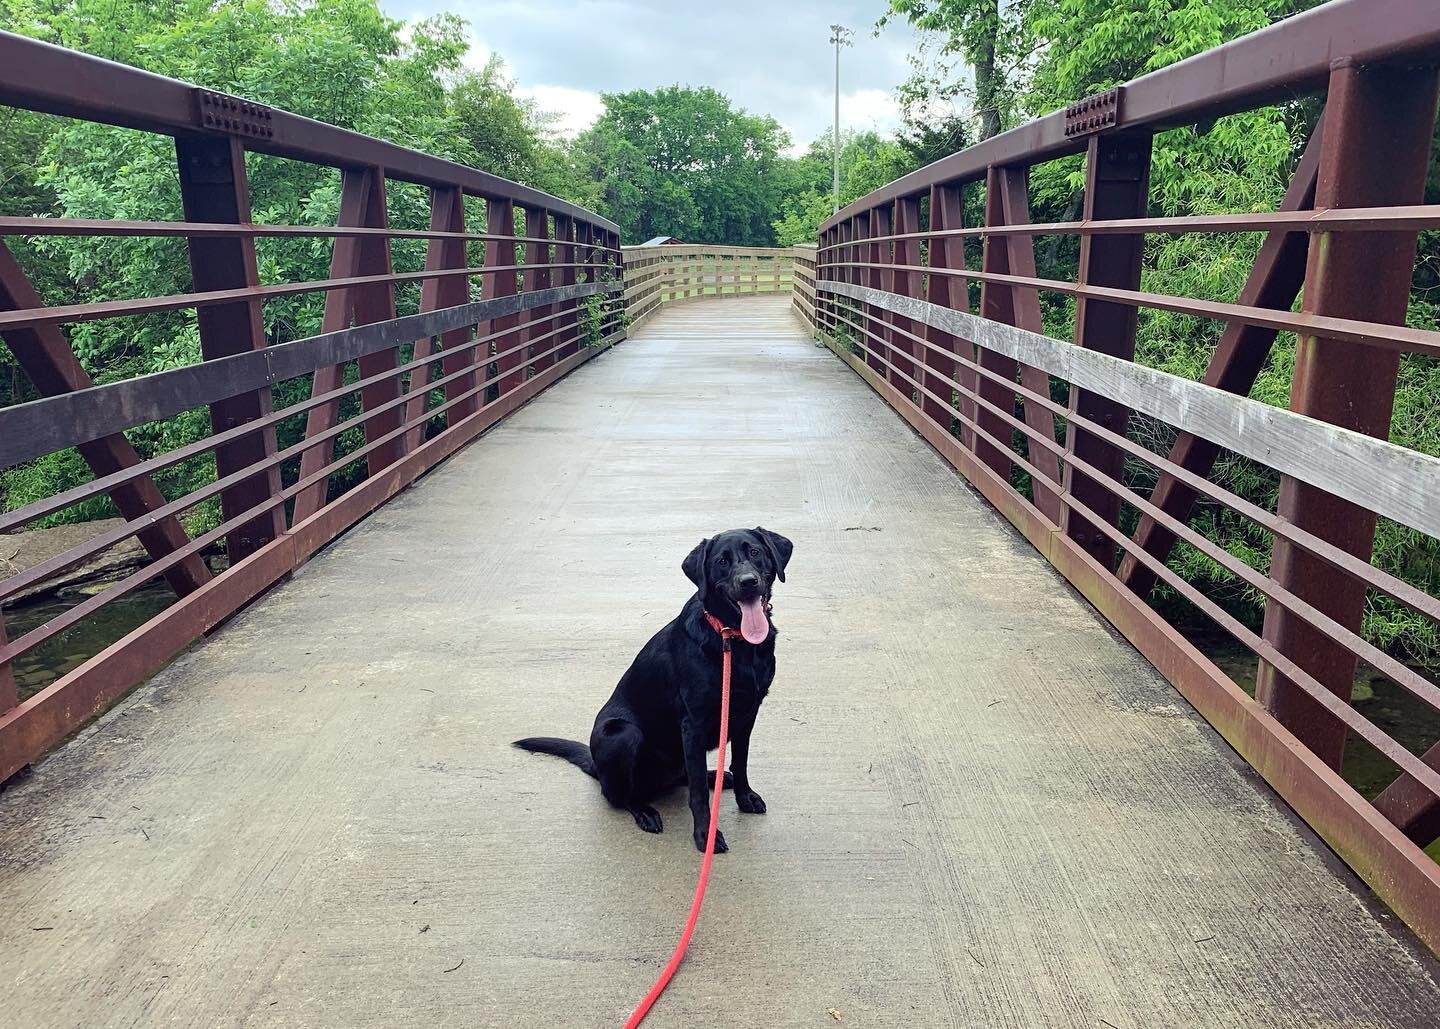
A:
(869, 109)
(767, 57)
(575, 110)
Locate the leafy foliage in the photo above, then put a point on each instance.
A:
(681, 161)
(867, 162)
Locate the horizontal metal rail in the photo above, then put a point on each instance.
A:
(486, 338)
(37, 76)
(1046, 428)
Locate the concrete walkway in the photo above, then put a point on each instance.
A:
(985, 809)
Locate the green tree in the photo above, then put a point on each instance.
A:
(343, 62)
(682, 161)
(990, 36)
(868, 161)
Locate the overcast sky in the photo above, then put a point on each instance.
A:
(769, 56)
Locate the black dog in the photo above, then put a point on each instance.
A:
(654, 731)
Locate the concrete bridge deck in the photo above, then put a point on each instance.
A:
(985, 808)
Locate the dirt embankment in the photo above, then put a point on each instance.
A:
(24, 550)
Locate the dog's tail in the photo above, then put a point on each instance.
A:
(576, 753)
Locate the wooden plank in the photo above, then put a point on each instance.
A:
(1393, 481)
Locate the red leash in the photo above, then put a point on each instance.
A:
(726, 635)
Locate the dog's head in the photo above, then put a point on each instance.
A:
(735, 572)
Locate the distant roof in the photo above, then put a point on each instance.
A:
(659, 241)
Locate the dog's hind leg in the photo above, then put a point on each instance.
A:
(616, 746)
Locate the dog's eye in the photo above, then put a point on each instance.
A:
(754, 550)
(724, 561)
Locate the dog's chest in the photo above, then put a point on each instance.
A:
(750, 678)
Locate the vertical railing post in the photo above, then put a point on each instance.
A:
(534, 278)
(214, 188)
(617, 274)
(1378, 127)
(1020, 306)
(882, 252)
(447, 214)
(502, 280)
(584, 255)
(906, 252)
(1117, 185)
(565, 258)
(362, 205)
(995, 305)
(9, 693)
(947, 252)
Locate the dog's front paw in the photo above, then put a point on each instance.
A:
(647, 818)
(750, 802)
(721, 846)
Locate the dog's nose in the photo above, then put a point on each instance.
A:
(748, 581)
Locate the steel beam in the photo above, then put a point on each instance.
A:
(1117, 185)
(1375, 152)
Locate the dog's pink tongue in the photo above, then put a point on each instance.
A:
(754, 626)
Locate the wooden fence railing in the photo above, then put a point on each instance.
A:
(1047, 429)
(505, 308)
(667, 274)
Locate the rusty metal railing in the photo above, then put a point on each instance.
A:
(491, 331)
(1044, 428)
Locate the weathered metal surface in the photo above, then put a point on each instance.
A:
(995, 305)
(502, 280)
(214, 188)
(1117, 185)
(1350, 330)
(1021, 306)
(1095, 113)
(44, 355)
(1402, 874)
(447, 212)
(37, 724)
(946, 212)
(217, 112)
(1376, 149)
(995, 856)
(42, 77)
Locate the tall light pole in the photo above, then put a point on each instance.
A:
(840, 36)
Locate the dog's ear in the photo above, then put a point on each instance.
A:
(780, 549)
(696, 566)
